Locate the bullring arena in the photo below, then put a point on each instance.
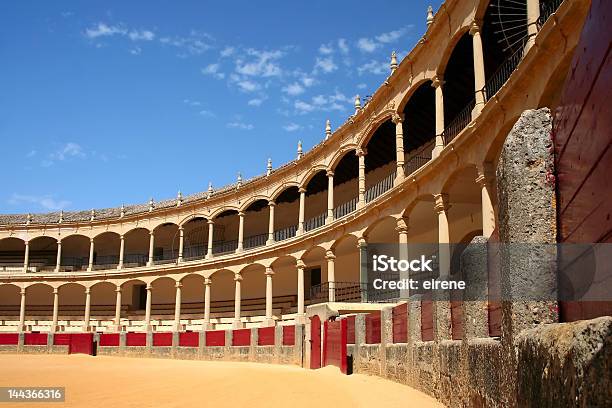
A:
(258, 290)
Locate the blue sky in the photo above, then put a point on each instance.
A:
(104, 103)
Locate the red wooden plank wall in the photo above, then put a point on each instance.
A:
(456, 319)
(109, 339)
(61, 339)
(35, 339)
(241, 337)
(189, 339)
(81, 343)
(136, 339)
(372, 321)
(162, 339)
(350, 329)
(288, 335)
(582, 139)
(334, 344)
(400, 323)
(8, 339)
(215, 338)
(427, 320)
(265, 336)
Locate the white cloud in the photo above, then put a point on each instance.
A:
(367, 45)
(326, 65)
(142, 35)
(227, 51)
(325, 103)
(195, 43)
(207, 113)
(255, 101)
(303, 107)
(191, 102)
(292, 127)
(262, 63)
(31, 153)
(307, 81)
(136, 51)
(391, 36)
(213, 70)
(326, 49)
(240, 125)
(374, 67)
(46, 202)
(104, 30)
(343, 46)
(69, 150)
(247, 85)
(293, 89)
(361, 86)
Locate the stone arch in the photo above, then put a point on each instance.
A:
(373, 126)
(252, 200)
(12, 253)
(382, 230)
(450, 47)
(340, 153)
(191, 217)
(10, 297)
(280, 189)
(312, 172)
(410, 92)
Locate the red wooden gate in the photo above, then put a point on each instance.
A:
(334, 344)
(315, 342)
(81, 343)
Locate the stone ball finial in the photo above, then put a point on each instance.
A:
(151, 206)
(122, 210)
(357, 103)
(393, 64)
(430, 16)
(300, 151)
(92, 215)
(327, 129)
(269, 167)
(239, 180)
(29, 218)
(61, 216)
(210, 189)
(179, 198)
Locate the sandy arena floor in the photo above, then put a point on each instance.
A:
(118, 382)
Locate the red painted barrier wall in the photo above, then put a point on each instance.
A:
(136, 339)
(400, 323)
(162, 339)
(81, 343)
(288, 335)
(350, 329)
(189, 339)
(427, 320)
(334, 344)
(372, 321)
(61, 339)
(215, 338)
(241, 337)
(9, 339)
(456, 319)
(35, 339)
(315, 342)
(265, 336)
(109, 339)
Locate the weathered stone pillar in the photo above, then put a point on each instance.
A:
(278, 344)
(331, 274)
(58, 260)
(253, 344)
(271, 206)
(474, 271)
(402, 232)
(361, 154)
(207, 282)
(300, 229)
(269, 297)
(479, 71)
(398, 119)
(177, 307)
(148, 308)
(240, 232)
(362, 245)
(151, 247)
(237, 324)
(55, 309)
(181, 243)
(485, 181)
(360, 341)
(330, 197)
(91, 255)
(301, 316)
(441, 207)
(122, 251)
(22, 307)
(386, 337)
(118, 309)
(87, 309)
(533, 13)
(437, 83)
(211, 234)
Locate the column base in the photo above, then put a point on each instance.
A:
(301, 319)
(120, 266)
(150, 263)
(207, 326)
(149, 328)
(208, 256)
(237, 324)
(360, 204)
(329, 220)
(180, 259)
(117, 328)
(399, 177)
(269, 322)
(239, 250)
(270, 241)
(22, 329)
(436, 151)
(477, 109)
(87, 329)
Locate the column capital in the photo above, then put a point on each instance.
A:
(441, 203)
(302, 190)
(210, 221)
(237, 277)
(91, 241)
(271, 203)
(87, 291)
(55, 291)
(178, 285)
(59, 241)
(361, 151)
(118, 289)
(181, 228)
(149, 287)
(362, 243)
(269, 271)
(475, 27)
(27, 242)
(207, 281)
(329, 255)
(329, 173)
(402, 225)
(152, 233)
(300, 264)
(437, 81)
(397, 117)
(22, 291)
(122, 237)
(240, 213)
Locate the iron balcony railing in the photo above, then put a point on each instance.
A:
(345, 208)
(380, 187)
(342, 291)
(419, 158)
(285, 233)
(502, 74)
(463, 118)
(135, 260)
(74, 263)
(193, 252)
(255, 241)
(224, 247)
(106, 262)
(167, 257)
(547, 8)
(315, 222)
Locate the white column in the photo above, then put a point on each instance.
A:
(437, 83)
(211, 226)
(399, 147)
(207, 282)
(91, 255)
(118, 309)
(485, 181)
(331, 274)
(87, 309)
(148, 308)
(181, 243)
(271, 206)
(441, 207)
(177, 307)
(479, 71)
(55, 309)
(151, 247)
(300, 229)
(533, 13)
(269, 296)
(402, 232)
(58, 260)
(330, 197)
(361, 153)
(300, 290)
(22, 308)
(122, 251)
(240, 232)
(237, 322)
(26, 257)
